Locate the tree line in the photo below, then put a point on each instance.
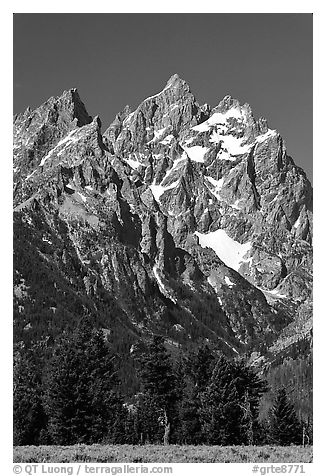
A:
(200, 398)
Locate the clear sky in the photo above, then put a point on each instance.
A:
(119, 59)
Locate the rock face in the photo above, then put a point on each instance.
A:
(181, 219)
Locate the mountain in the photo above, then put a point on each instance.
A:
(179, 219)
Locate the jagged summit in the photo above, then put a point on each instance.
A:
(71, 100)
(166, 113)
(176, 81)
(175, 88)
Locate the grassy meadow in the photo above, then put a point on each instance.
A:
(162, 454)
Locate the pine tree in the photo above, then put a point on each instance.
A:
(285, 426)
(81, 400)
(29, 416)
(250, 388)
(220, 410)
(159, 388)
(190, 428)
(196, 373)
(201, 367)
(149, 419)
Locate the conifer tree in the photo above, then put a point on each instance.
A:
(29, 417)
(250, 388)
(220, 410)
(190, 428)
(159, 387)
(285, 426)
(81, 400)
(201, 367)
(197, 370)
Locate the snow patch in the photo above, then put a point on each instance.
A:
(232, 144)
(224, 155)
(236, 205)
(175, 165)
(211, 282)
(229, 282)
(88, 187)
(216, 184)
(82, 197)
(134, 164)
(157, 135)
(297, 223)
(229, 345)
(175, 106)
(30, 175)
(167, 139)
(129, 117)
(196, 153)
(67, 139)
(163, 289)
(267, 135)
(228, 250)
(132, 349)
(158, 190)
(218, 118)
(276, 293)
(157, 156)
(46, 240)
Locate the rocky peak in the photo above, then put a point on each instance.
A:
(70, 102)
(65, 109)
(165, 114)
(38, 131)
(177, 83)
(174, 80)
(227, 103)
(233, 108)
(178, 210)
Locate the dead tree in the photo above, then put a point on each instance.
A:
(249, 418)
(167, 429)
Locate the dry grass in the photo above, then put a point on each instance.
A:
(161, 454)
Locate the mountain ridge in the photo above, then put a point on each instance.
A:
(189, 221)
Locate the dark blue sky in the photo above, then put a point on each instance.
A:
(119, 59)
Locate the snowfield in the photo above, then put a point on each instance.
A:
(231, 252)
(219, 118)
(158, 190)
(196, 153)
(232, 144)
